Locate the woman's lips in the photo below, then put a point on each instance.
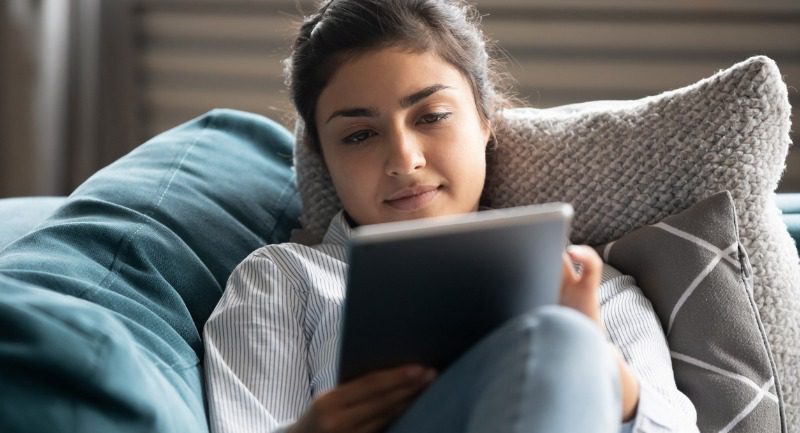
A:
(411, 199)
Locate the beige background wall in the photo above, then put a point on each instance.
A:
(138, 67)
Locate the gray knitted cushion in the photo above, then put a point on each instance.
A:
(693, 269)
(626, 164)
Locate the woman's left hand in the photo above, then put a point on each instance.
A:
(580, 290)
(580, 287)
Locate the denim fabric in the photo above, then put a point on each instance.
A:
(548, 371)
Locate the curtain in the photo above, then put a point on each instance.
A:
(34, 92)
(65, 108)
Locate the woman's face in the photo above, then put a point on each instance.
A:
(401, 137)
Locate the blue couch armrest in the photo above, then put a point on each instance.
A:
(102, 304)
(789, 204)
(21, 215)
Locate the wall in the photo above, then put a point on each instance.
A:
(158, 63)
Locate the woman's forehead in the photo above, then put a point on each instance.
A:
(392, 73)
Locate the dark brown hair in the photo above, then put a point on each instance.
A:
(342, 29)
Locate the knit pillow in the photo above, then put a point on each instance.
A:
(626, 164)
(695, 272)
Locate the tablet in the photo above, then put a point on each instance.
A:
(424, 291)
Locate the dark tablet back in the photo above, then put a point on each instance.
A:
(425, 291)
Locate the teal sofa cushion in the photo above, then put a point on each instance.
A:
(102, 305)
(23, 214)
(789, 204)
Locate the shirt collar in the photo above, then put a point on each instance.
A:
(339, 230)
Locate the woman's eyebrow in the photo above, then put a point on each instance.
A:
(354, 112)
(405, 102)
(415, 97)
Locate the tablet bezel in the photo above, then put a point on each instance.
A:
(424, 233)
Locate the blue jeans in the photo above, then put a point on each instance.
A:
(547, 371)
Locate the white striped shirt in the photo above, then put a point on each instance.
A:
(271, 342)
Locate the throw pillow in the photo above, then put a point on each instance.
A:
(697, 275)
(103, 304)
(21, 215)
(626, 164)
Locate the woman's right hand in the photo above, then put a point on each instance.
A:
(365, 404)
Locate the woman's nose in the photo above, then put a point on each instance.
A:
(404, 155)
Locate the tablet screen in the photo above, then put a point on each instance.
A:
(424, 291)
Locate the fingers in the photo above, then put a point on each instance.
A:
(568, 270)
(590, 263)
(370, 402)
(383, 410)
(374, 384)
(579, 289)
(380, 422)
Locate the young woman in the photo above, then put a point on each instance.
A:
(399, 96)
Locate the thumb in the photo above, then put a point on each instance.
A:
(590, 264)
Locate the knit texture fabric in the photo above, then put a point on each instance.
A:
(626, 164)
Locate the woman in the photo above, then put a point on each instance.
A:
(399, 98)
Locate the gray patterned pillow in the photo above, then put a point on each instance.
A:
(697, 275)
(626, 164)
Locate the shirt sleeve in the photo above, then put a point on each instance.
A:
(634, 329)
(256, 350)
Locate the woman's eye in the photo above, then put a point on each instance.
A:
(358, 137)
(434, 117)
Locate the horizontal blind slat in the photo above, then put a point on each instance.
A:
(200, 54)
(689, 37)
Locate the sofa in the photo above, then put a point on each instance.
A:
(104, 293)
